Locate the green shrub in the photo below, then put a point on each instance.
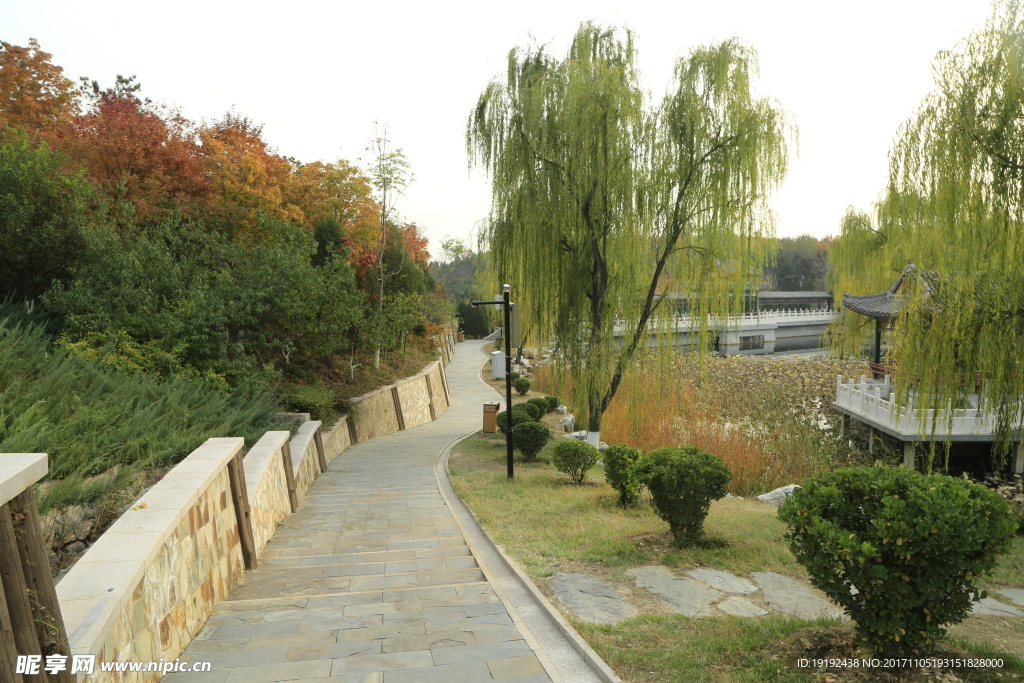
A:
(574, 458)
(522, 385)
(683, 482)
(913, 545)
(530, 408)
(318, 401)
(518, 417)
(530, 438)
(514, 376)
(553, 403)
(620, 473)
(542, 405)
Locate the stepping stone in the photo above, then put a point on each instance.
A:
(723, 581)
(995, 608)
(689, 597)
(1014, 595)
(792, 597)
(740, 607)
(593, 601)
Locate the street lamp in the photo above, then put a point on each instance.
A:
(506, 303)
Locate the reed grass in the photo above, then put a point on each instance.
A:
(768, 419)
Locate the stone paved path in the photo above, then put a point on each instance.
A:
(371, 581)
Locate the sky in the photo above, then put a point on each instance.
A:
(319, 75)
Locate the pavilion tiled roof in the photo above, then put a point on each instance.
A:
(886, 306)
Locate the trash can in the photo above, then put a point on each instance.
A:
(490, 416)
(462, 336)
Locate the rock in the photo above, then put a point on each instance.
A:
(580, 436)
(561, 410)
(995, 608)
(686, 596)
(792, 597)
(1014, 595)
(778, 496)
(740, 607)
(723, 581)
(602, 446)
(568, 422)
(593, 601)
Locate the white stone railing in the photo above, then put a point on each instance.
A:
(875, 400)
(688, 323)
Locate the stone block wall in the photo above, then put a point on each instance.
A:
(378, 414)
(146, 588)
(337, 440)
(305, 463)
(267, 486)
(148, 585)
(375, 414)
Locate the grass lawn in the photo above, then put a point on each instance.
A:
(549, 525)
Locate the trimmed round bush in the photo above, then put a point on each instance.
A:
(913, 545)
(683, 482)
(318, 401)
(553, 403)
(522, 385)
(514, 376)
(530, 438)
(574, 458)
(530, 408)
(542, 405)
(620, 473)
(518, 417)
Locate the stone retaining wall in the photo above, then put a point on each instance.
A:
(149, 583)
(267, 486)
(409, 402)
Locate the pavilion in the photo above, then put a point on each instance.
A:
(872, 401)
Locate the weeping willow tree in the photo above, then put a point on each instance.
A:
(602, 204)
(954, 207)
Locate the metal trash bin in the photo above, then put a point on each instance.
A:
(490, 416)
(462, 336)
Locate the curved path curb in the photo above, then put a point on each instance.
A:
(377, 578)
(540, 617)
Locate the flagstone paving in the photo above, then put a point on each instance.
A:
(372, 580)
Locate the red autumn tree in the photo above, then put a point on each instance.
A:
(138, 153)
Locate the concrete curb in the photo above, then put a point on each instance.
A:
(597, 665)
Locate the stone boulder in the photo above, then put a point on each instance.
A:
(778, 496)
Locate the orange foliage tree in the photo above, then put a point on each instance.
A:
(33, 91)
(247, 176)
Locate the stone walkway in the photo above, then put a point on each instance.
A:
(372, 581)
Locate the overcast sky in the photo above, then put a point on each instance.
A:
(318, 74)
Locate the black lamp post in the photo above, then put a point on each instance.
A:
(506, 303)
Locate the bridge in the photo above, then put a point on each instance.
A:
(749, 334)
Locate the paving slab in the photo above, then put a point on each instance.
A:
(592, 600)
(687, 596)
(795, 598)
(372, 581)
(990, 607)
(740, 607)
(723, 581)
(1014, 595)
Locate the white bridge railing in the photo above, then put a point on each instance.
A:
(875, 400)
(764, 319)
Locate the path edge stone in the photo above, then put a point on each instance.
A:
(592, 659)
